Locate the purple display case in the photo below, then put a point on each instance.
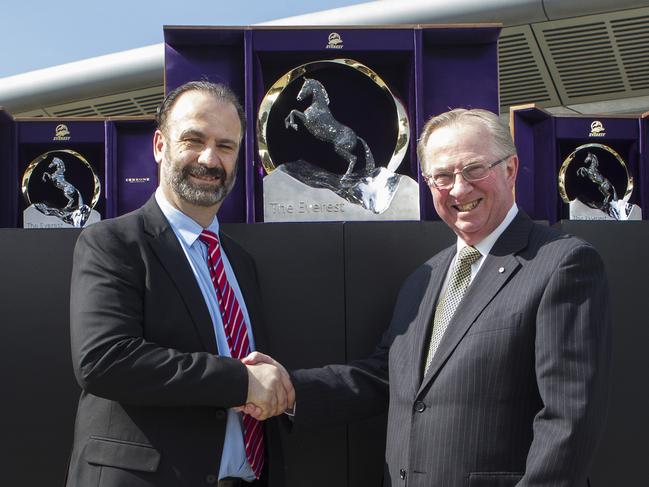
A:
(430, 68)
(120, 151)
(217, 55)
(37, 135)
(7, 170)
(644, 163)
(544, 140)
(131, 168)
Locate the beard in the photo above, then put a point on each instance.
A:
(197, 192)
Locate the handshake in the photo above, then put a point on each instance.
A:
(270, 391)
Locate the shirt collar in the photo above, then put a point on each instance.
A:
(184, 226)
(487, 243)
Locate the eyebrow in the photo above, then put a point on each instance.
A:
(197, 133)
(191, 133)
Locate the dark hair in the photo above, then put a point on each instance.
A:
(219, 91)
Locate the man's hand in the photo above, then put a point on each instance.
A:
(270, 391)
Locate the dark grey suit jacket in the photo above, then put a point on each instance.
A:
(516, 393)
(153, 407)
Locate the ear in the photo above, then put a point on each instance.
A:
(159, 142)
(511, 169)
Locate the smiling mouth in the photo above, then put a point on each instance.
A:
(207, 178)
(467, 206)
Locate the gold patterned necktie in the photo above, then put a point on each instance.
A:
(446, 305)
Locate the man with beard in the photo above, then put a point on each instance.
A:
(163, 306)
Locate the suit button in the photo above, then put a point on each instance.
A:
(420, 407)
(402, 474)
(211, 479)
(220, 414)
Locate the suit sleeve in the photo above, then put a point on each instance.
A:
(337, 394)
(572, 371)
(110, 354)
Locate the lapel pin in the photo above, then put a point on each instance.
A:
(501, 270)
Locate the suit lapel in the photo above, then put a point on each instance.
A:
(165, 245)
(495, 272)
(423, 321)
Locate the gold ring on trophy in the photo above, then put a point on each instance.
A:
(403, 129)
(568, 160)
(34, 163)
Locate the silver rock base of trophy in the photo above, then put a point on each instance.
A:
(299, 192)
(620, 211)
(33, 218)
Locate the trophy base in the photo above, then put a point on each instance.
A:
(33, 218)
(300, 192)
(621, 211)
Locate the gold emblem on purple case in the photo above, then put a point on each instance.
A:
(334, 41)
(61, 133)
(597, 129)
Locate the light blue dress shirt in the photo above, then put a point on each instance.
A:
(233, 461)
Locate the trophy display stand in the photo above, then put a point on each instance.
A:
(580, 167)
(334, 113)
(72, 172)
(329, 292)
(622, 449)
(39, 388)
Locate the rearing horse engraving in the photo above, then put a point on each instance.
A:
(592, 172)
(58, 179)
(320, 122)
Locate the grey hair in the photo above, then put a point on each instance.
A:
(502, 143)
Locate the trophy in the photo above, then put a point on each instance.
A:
(595, 182)
(313, 134)
(60, 189)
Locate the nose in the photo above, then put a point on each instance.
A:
(209, 156)
(460, 186)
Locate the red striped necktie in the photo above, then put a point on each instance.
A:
(236, 333)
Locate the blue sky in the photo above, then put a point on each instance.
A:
(42, 33)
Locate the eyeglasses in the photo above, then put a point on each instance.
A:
(471, 173)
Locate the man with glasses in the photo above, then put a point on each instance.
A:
(495, 365)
